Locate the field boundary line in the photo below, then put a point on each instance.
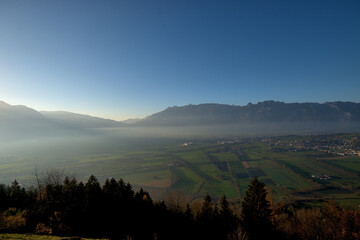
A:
(234, 180)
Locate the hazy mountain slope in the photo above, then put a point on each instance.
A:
(79, 120)
(131, 120)
(21, 123)
(20, 117)
(268, 117)
(263, 112)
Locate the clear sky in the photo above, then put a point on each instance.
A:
(120, 59)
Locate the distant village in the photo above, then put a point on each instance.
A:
(333, 145)
(341, 145)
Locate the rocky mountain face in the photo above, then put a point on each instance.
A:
(263, 112)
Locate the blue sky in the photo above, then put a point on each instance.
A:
(120, 59)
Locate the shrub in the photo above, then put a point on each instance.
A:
(13, 220)
(43, 229)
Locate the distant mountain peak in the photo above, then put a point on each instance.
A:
(2, 103)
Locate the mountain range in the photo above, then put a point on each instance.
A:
(269, 115)
(262, 112)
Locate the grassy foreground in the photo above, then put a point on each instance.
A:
(11, 236)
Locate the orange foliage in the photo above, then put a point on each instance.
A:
(43, 229)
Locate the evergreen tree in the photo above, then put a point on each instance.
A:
(206, 221)
(256, 213)
(208, 209)
(225, 209)
(73, 205)
(3, 197)
(92, 186)
(228, 221)
(143, 196)
(93, 207)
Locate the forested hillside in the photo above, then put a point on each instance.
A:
(66, 207)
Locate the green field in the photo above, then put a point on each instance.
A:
(210, 167)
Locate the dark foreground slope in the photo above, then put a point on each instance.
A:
(116, 211)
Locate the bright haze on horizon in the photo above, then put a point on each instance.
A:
(121, 59)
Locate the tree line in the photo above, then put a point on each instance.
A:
(114, 210)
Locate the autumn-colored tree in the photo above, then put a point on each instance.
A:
(350, 225)
(332, 216)
(307, 224)
(175, 201)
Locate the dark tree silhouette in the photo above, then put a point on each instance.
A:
(93, 206)
(116, 211)
(256, 212)
(228, 221)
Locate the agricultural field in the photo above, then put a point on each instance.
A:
(216, 167)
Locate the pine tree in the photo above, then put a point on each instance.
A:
(256, 212)
(227, 221)
(225, 209)
(93, 207)
(208, 210)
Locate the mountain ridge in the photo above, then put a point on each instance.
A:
(80, 120)
(268, 116)
(267, 111)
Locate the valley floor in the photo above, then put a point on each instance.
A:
(309, 170)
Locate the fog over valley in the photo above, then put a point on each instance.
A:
(55, 139)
